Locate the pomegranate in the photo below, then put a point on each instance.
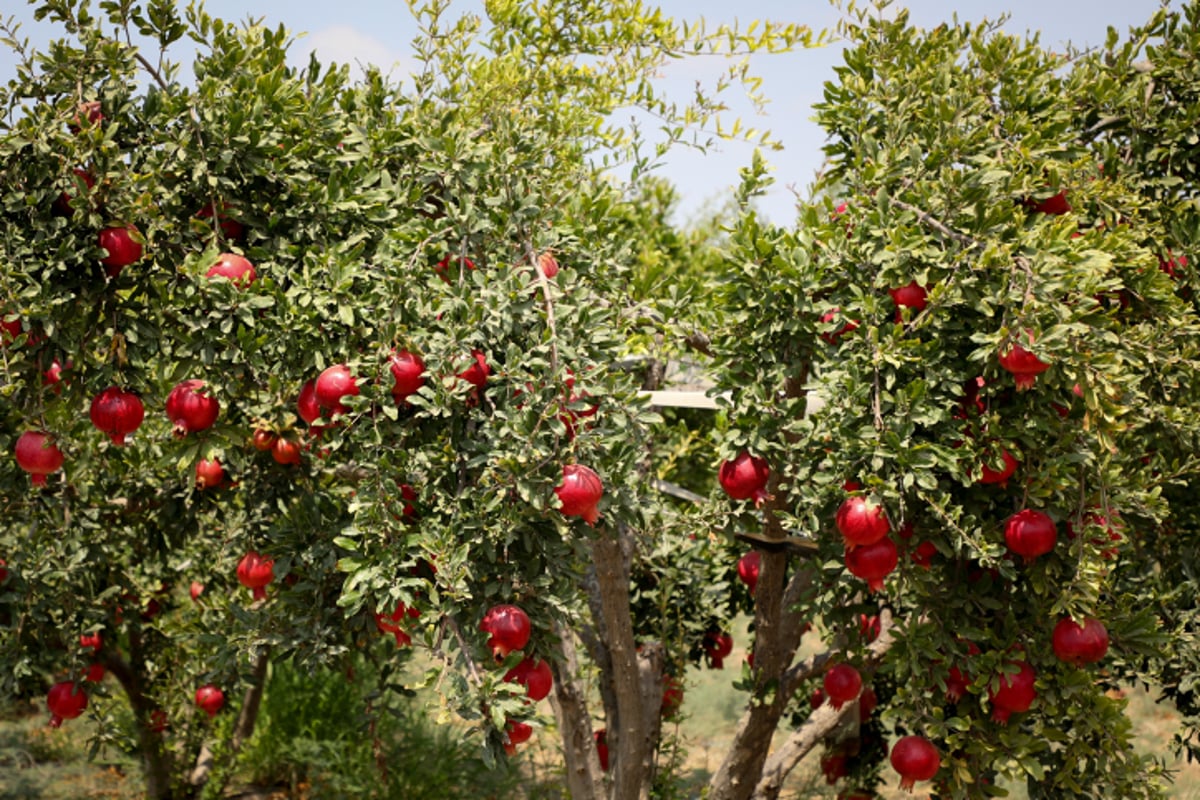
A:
(842, 684)
(86, 114)
(117, 413)
(601, 737)
(745, 478)
(263, 439)
(508, 629)
(443, 267)
(922, 555)
(717, 647)
(307, 405)
(873, 562)
(535, 675)
(408, 372)
(861, 522)
(285, 451)
(867, 701)
(94, 673)
(409, 512)
(209, 474)
(210, 699)
(1007, 466)
(1080, 644)
(230, 228)
(912, 295)
(10, 329)
(62, 206)
(477, 373)
(1171, 264)
(869, 627)
(235, 268)
(959, 680)
(915, 759)
(1024, 365)
(1015, 692)
(833, 767)
(195, 590)
(390, 623)
(672, 696)
(255, 572)
(158, 721)
(832, 337)
(1030, 534)
(547, 264)
(817, 698)
(123, 245)
(747, 569)
(332, 386)
(38, 455)
(3, 570)
(1109, 543)
(190, 409)
(91, 641)
(1054, 205)
(515, 733)
(53, 376)
(580, 492)
(65, 700)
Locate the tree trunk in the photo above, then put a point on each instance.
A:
(156, 762)
(585, 778)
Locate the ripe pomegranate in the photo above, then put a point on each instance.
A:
(158, 721)
(62, 206)
(285, 451)
(515, 733)
(1171, 264)
(508, 629)
(332, 386)
(535, 675)
(915, 759)
(1008, 465)
(65, 700)
(38, 455)
(580, 492)
(408, 372)
(1054, 205)
(189, 409)
(833, 767)
(1112, 528)
(1080, 644)
(94, 673)
(672, 697)
(747, 568)
(91, 641)
(210, 699)
(255, 572)
(195, 590)
(1030, 534)
(1024, 365)
(922, 555)
(861, 522)
(959, 680)
(817, 698)
(873, 562)
(123, 245)
(235, 268)
(601, 738)
(209, 474)
(443, 267)
(548, 264)
(1015, 692)
(832, 337)
(912, 295)
(477, 374)
(263, 439)
(230, 228)
(53, 376)
(3, 570)
(86, 114)
(409, 512)
(391, 623)
(717, 647)
(117, 413)
(842, 684)
(745, 478)
(10, 329)
(869, 627)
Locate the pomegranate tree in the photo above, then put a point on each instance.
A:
(190, 408)
(117, 413)
(580, 493)
(508, 629)
(38, 454)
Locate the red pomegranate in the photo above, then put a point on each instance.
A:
(263, 439)
(10, 329)
(332, 386)
(190, 409)
(601, 738)
(873, 562)
(1007, 466)
(842, 684)
(210, 699)
(833, 767)
(209, 474)
(62, 206)
(477, 373)
(747, 568)
(65, 700)
(1015, 692)
(53, 376)
(1054, 205)
(94, 673)
(912, 295)
(1030, 534)
(38, 455)
(915, 759)
(91, 641)
(870, 627)
(1112, 527)
(1024, 365)
(817, 698)
(959, 680)
(230, 228)
(861, 522)
(508, 629)
(535, 675)
(124, 247)
(158, 721)
(547, 264)
(195, 590)
(717, 647)
(3, 570)
(672, 696)
(117, 413)
(443, 267)
(515, 733)
(235, 268)
(832, 337)
(1171, 264)
(745, 478)
(255, 572)
(408, 371)
(1080, 644)
(867, 701)
(922, 555)
(391, 623)
(580, 492)
(285, 451)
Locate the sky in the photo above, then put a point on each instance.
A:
(380, 32)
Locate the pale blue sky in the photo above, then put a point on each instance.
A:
(379, 31)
